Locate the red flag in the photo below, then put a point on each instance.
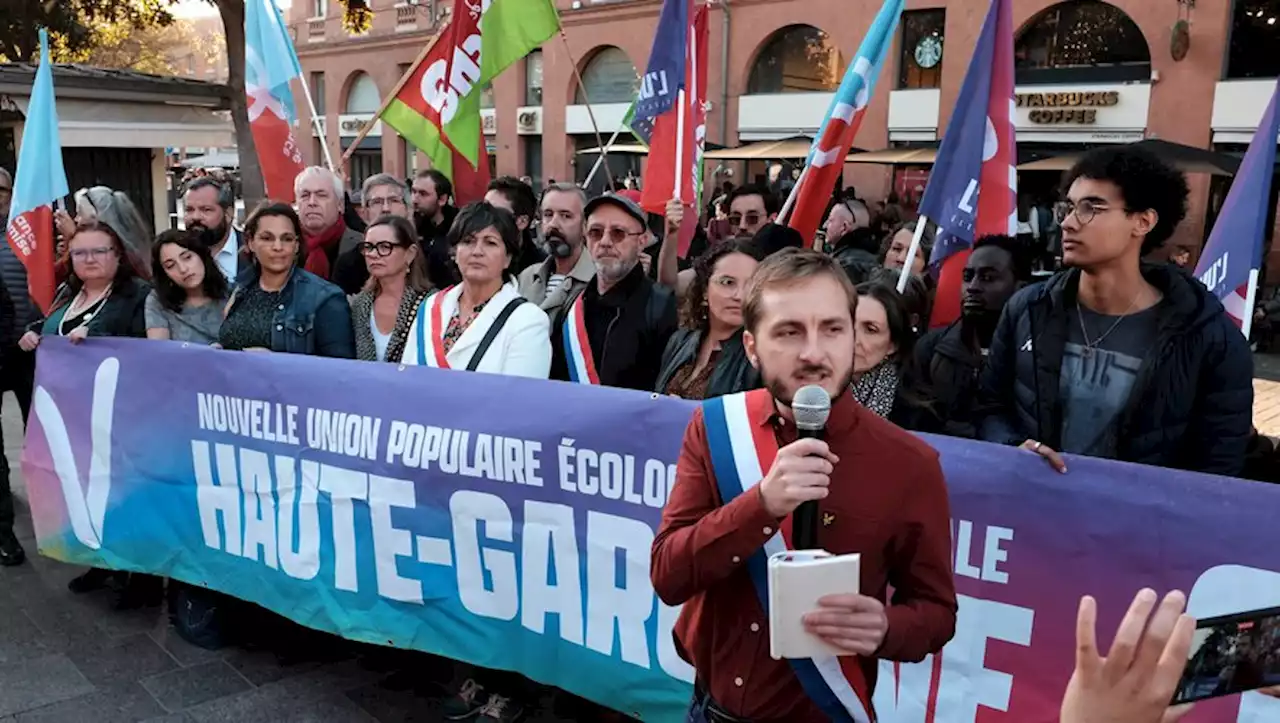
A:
(997, 210)
(413, 115)
(660, 172)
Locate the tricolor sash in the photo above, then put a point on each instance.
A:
(742, 449)
(429, 313)
(577, 347)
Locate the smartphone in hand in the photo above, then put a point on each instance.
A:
(1232, 654)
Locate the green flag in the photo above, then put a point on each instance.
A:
(510, 29)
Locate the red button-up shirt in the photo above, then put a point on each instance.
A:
(888, 501)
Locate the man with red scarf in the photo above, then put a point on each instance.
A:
(325, 234)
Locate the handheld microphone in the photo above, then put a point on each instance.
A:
(811, 407)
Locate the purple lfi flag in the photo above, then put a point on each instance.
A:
(1234, 249)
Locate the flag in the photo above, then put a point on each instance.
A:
(844, 115)
(438, 106)
(973, 187)
(270, 66)
(39, 182)
(1233, 254)
(677, 133)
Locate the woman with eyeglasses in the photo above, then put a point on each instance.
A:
(279, 306)
(103, 296)
(383, 312)
(705, 358)
(482, 324)
(190, 291)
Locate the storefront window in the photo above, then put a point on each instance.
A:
(486, 96)
(1082, 41)
(798, 59)
(1255, 31)
(920, 65)
(609, 77)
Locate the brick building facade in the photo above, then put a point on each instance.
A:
(773, 64)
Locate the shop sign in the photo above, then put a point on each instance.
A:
(1066, 107)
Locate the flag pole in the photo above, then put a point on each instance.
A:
(318, 125)
(600, 159)
(921, 223)
(390, 97)
(678, 188)
(573, 61)
(791, 197)
(1250, 298)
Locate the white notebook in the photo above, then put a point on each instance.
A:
(796, 580)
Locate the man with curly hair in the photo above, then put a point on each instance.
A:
(1112, 357)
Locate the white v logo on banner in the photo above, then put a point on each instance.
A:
(86, 506)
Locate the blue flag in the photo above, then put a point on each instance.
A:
(951, 198)
(664, 78)
(1234, 250)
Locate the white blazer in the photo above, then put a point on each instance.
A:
(521, 349)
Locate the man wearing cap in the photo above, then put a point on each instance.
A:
(614, 332)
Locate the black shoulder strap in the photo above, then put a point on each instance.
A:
(492, 334)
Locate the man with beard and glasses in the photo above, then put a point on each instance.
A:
(614, 331)
(880, 492)
(950, 359)
(568, 269)
(433, 214)
(208, 208)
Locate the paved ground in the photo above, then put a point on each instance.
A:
(72, 659)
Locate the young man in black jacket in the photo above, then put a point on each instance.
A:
(1114, 358)
(951, 358)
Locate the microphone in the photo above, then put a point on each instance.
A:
(810, 407)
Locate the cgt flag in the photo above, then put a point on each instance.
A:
(270, 66)
(826, 158)
(438, 105)
(38, 183)
(972, 189)
(1232, 256)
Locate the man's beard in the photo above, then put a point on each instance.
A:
(777, 386)
(981, 323)
(557, 245)
(614, 270)
(210, 237)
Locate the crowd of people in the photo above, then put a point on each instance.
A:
(1114, 355)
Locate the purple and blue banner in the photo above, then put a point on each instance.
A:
(508, 522)
(1233, 254)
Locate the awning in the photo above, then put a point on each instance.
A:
(622, 149)
(103, 124)
(217, 159)
(1187, 159)
(895, 156)
(787, 148)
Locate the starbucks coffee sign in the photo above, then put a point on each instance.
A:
(1066, 107)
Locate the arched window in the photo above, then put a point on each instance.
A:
(1255, 33)
(363, 97)
(609, 77)
(797, 59)
(1082, 41)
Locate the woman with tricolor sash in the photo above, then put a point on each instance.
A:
(705, 358)
(482, 324)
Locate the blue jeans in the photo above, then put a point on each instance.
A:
(697, 709)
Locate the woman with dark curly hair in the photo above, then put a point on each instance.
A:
(705, 357)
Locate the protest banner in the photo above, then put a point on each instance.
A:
(507, 522)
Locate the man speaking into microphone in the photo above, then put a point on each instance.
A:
(744, 470)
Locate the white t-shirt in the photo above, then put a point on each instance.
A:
(380, 340)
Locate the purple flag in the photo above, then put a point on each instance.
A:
(664, 77)
(1233, 253)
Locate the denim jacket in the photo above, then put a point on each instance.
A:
(313, 318)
